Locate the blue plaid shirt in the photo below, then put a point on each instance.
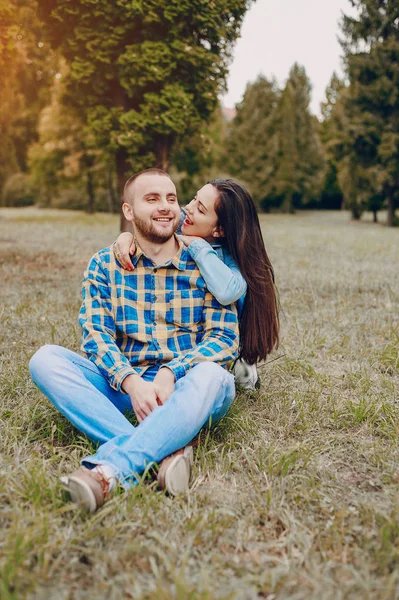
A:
(152, 316)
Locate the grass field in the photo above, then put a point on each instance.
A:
(295, 494)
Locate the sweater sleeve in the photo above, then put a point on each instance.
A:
(222, 277)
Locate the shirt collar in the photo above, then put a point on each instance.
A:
(179, 260)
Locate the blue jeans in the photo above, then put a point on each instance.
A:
(78, 390)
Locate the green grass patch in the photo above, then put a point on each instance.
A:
(294, 494)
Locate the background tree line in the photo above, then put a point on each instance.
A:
(91, 91)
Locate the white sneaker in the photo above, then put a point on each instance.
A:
(175, 470)
(246, 376)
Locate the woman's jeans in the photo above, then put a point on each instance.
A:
(76, 387)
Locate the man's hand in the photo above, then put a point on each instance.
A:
(165, 381)
(144, 395)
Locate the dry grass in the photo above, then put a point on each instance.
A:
(295, 493)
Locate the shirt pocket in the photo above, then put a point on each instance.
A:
(185, 308)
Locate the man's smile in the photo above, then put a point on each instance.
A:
(163, 219)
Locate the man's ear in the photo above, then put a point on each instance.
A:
(128, 211)
(218, 232)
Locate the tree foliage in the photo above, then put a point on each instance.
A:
(332, 131)
(27, 69)
(139, 87)
(18, 190)
(352, 178)
(273, 144)
(199, 158)
(144, 74)
(250, 148)
(371, 102)
(301, 165)
(64, 159)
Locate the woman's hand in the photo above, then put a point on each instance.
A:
(123, 247)
(188, 239)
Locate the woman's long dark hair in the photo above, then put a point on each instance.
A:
(242, 236)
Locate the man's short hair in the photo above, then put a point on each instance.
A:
(132, 179)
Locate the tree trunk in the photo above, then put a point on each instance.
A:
(287, 206)
(113, 203)
(122, 173)
(356, 212)
(163, 146)
(375, 218)
(391, 211)
(90, 192)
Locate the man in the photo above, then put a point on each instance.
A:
(156, 341)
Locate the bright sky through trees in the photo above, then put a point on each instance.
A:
(277, 33)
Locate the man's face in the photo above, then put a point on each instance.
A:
(155, 211)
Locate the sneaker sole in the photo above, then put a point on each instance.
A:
(177, 477)
(189, 455)
(249, 385)
(79, 493)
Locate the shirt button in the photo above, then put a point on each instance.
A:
(155, 270)
(154, 324)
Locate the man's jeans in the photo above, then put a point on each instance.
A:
(76, 387)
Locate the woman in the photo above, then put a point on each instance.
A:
(221, 230)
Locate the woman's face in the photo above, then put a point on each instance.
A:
(201, 219)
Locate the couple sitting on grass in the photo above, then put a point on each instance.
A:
(161, 332)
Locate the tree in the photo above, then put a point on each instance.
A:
(27, 68)
(199, 158)
(371, 46)
(336, 132)
(18, 190)
(301, 163)
(56, 159)
(273, 144)
(64, 162)
(331, 196)
(144, 74)
(332, 133)
(8, 100)
(250, 147)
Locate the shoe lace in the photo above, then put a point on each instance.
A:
(103, 481)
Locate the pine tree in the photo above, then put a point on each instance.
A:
(250, 147)
(299, 177)
(371, 45)
(333, 135)
(273, 145)
(346, 174)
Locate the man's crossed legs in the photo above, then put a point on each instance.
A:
(76, 387)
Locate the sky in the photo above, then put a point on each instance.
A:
(277, 33)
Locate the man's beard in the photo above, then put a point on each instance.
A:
(148, 231)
